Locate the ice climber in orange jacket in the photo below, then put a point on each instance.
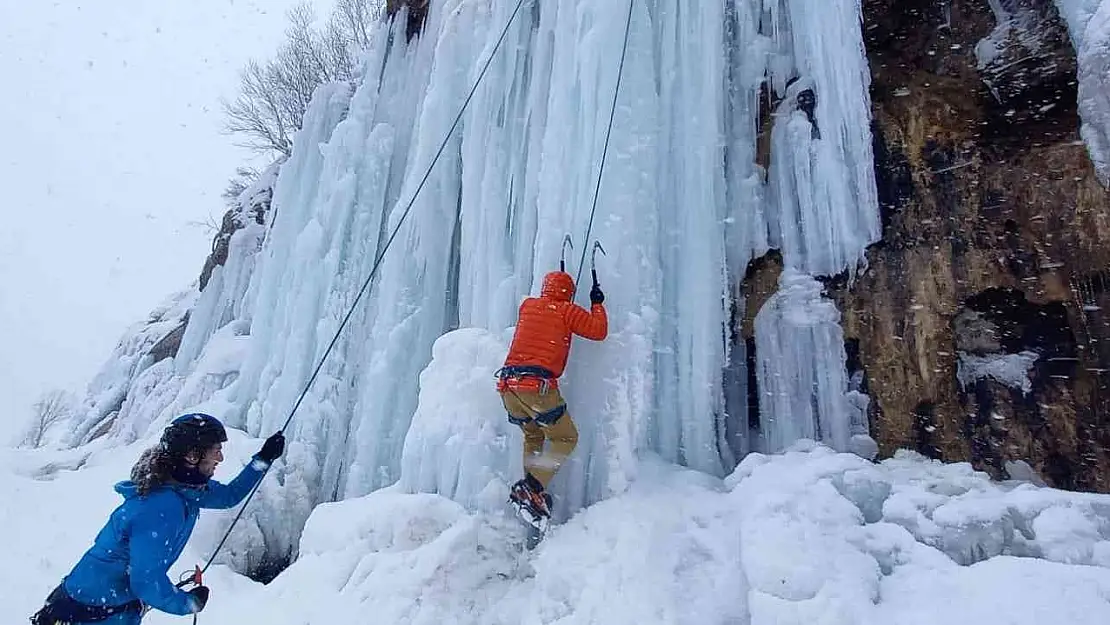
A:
(529, 381)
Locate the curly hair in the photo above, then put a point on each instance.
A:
(153, 469)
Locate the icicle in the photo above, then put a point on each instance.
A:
(824, 210)
(802, 378)
(1089, 25)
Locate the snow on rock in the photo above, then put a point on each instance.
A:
(223, 298)
(184, 353)
(1019, 54)
(135, 370)
(1009, 369)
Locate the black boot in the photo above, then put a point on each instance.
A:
(528, 493)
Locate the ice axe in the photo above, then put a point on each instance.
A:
(563, 255)
(593, 259)
(194, 577)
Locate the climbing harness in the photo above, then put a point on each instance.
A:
(61, 609)
(513, 375)
(373, 271)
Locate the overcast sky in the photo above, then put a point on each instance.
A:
(110, 145)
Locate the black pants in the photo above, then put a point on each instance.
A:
(61, 608)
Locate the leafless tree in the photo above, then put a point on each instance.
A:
(46, 412)
(244, 178)
(354, 17)
(275, 94)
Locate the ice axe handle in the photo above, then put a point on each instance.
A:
(563, 252)
(593, 259)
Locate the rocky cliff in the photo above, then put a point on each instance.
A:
(980, 320)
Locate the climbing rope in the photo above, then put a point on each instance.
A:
(373, 272)
(605, 149)
(597, 190)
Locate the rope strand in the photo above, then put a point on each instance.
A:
(373, 271)
(605, 149)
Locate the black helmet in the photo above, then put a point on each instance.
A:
(193, 432)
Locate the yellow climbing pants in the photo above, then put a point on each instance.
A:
(561, 435)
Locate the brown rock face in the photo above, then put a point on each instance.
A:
(995, 249)
(234, 219)
(418, 12)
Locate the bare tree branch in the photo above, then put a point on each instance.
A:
(47, 411)
(274, 95)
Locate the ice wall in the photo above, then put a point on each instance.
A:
(800, 349)
(822, 213)
(1089, 25)
(824, 208)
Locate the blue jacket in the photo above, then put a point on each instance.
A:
(144, 537)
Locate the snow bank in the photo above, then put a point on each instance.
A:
(834, 539)
(801, 537)
(460, 443)
(806, 536)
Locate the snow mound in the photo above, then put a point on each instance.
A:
(460, 441)
(806, 536)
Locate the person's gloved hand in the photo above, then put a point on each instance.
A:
(596, 296)
(200, 597)
(272, 448)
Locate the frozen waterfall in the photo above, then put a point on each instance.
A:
(686, 201)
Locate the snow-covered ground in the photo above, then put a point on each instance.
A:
(809, 536)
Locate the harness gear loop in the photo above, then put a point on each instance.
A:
(507, 375)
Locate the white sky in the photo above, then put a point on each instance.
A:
(110, 126)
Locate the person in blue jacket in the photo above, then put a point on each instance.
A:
(125, 571)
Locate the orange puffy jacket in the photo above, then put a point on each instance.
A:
(544, 329)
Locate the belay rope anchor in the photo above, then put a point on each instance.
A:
(195, 578)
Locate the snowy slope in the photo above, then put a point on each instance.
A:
(809, 536)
